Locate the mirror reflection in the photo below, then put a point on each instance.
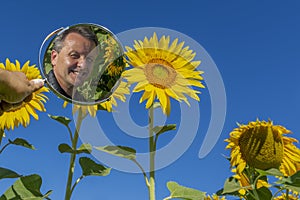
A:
(83, 63)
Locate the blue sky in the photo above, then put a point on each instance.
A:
(255, 46)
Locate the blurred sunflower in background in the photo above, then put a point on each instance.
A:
(163, 70)
(119, 94)
(110, 50)
(21, 112)
(262, 145)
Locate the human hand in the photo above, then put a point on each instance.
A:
(15, 87)
(5, 107)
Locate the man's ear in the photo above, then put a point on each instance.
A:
(54, 55)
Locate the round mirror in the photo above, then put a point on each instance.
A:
(82, 63)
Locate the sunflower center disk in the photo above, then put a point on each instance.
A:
(261, 147)
(160, 73)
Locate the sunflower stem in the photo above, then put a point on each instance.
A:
(1, 135)
(287, 194)
(69, 190)
(253, 181)
(77, 181)
(152, 149)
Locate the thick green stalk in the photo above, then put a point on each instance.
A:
(69, 191)
(152, 155)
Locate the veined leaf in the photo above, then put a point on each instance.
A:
(61, 119)
(120, 151)
(231, 185)
(65, 148)
(26, 187)
(7, 173)
(161, 129)
(22, 142)
(263, 193)
(91, 168)
(270, 172)
(181, 192)
(84, 148)
(291, 182)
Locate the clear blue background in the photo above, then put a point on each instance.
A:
(255, 45)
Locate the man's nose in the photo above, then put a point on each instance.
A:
(82, 62)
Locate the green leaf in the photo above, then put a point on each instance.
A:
(120, 151)
(26, 187)
(293, 188)
(291, 182)
(84, 148)
(61, 119)
(270, 172)
(7, 173)
(22, 142)
(231, 185)
(178, 191)
(263, 193)
(91, 168)
(65, 148)
(161, 129)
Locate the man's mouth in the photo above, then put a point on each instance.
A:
(74, 71)
(78, 75)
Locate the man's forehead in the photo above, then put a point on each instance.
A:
(78, 42)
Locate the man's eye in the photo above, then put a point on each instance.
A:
(75, 56)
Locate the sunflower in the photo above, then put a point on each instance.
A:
(263, 145)
(163, 71)
(119, 93)
(114, 69)
(20, 114)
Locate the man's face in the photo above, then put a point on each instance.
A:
(73, 64)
